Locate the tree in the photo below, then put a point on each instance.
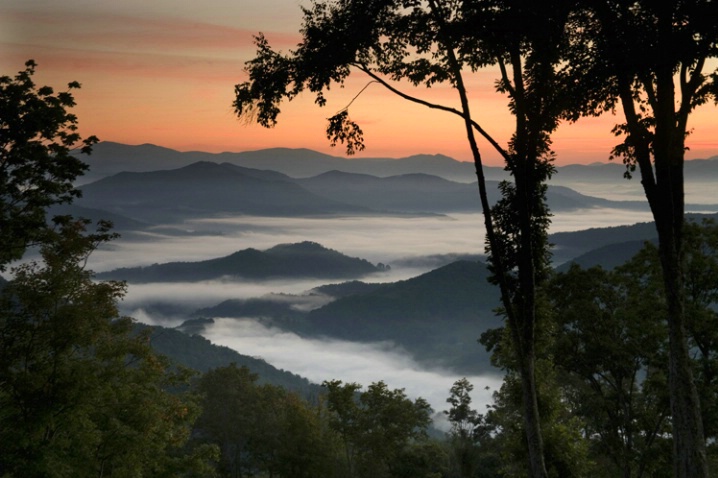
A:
(80, 393)
(612, 344)
(610, 350)
(650, 58)
(470, 437)
(37, 169)
(377, 427)
(432, 42)
(261, 428)
(229, 406)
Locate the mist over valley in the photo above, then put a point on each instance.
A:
(411, 297)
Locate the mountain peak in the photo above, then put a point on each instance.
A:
(304, 246)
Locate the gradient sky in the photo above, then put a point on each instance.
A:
(163, 72)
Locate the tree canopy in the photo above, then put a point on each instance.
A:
(425, 43)
(37, 168)
(81, 394)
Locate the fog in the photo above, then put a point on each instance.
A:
(411, 245)
(377, 239)
(364, 363)
(697, 192)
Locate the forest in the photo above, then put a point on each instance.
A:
(607, 371)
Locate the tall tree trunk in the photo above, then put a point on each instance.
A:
(689, 454)
(521, 316)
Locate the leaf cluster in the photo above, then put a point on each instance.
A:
(81, 394)
(37, 168)
(377, 425)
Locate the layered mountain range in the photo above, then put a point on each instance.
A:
(433, 316)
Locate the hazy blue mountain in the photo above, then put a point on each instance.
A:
(408, 193)
(306, 259)
(591, 244)
(702, 170)
(698, 170)
(203, 189)
(120, 223)
(427, 193)
(271, 310)
(437, 316)
(570, 245)
(110, 158)
(345, 289)
(608, 257)
(209, 189)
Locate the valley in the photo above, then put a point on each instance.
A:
(341, 274)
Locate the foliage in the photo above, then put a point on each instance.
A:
(261, 428)
(566, 451)
(37, 167)
(652, 59)
(472, 438)
(80, 394)
(432, 42)
(612, 347)
(377, 427)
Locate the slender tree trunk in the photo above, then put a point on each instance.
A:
(521, 317)
(665, 195)
(532, 422)
(689, 454)
(526, 183)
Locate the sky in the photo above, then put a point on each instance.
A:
(163, 72)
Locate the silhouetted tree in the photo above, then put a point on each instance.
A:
(37, 169)
(650, 60)
(80, 393)
(433, 42)
(377, 426)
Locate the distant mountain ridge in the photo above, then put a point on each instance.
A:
(305, 259)
(207, 189)
(110, 158)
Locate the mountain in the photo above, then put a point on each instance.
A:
(209, 189)
(120, 223)
(594, 246)
(110, 158)
(608, 257)
(205, 189)
(569, 245)
(695, 170)
(426, 193)
(437, 316)
(306, 259)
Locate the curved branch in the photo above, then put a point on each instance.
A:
(357, 96)
(435, 106)
(505, 77)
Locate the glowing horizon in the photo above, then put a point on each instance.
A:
(163, 72)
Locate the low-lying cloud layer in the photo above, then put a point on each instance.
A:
(364, 363)
(377, 239)
(410, 245)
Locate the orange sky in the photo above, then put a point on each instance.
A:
(163, 72)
